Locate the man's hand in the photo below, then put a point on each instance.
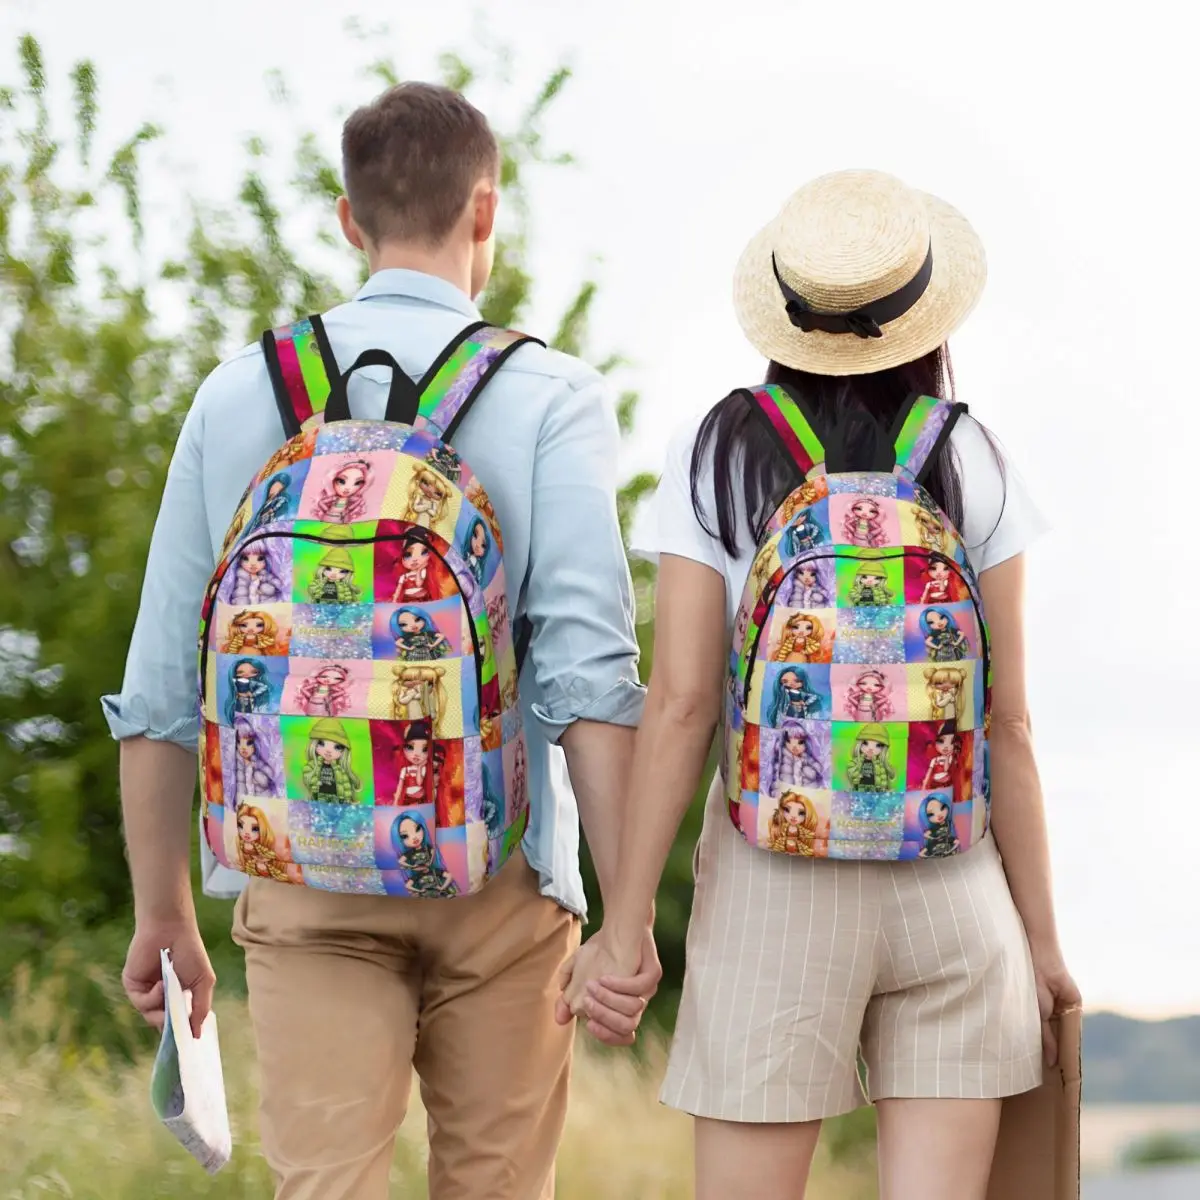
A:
(142, 977)
(609, 988)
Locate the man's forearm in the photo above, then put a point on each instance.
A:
(598, 759)
(157, 781)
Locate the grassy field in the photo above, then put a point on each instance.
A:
(74, 1125)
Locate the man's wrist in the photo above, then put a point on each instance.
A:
(168, 910)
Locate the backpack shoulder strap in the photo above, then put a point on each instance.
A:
(922, 428)
(461, 372)
(790, 424)
(301, 366)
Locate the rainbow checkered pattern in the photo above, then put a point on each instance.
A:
(360, 724)
(859, 681)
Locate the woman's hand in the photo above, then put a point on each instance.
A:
(609, 987)
(1056, 992)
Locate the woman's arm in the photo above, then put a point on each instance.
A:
(683, 706)
(1018, 814)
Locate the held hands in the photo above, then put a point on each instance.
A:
(609, 988)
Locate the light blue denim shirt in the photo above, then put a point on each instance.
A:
(544, 441)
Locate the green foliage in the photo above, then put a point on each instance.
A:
(93, 388)
(1162, 1149)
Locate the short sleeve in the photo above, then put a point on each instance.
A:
(670, 525)
(1000, 518)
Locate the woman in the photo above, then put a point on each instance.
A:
(420, 859)
(475, 549)
(257, 578)
(943, 638)
(343, 498)
(796, 965)
(416, 637)
(329, 776)
(800, 641)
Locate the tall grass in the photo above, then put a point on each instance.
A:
(75, 1123)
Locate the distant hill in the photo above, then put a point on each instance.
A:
(1140, 1062)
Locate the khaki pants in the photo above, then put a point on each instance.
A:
(349, 993)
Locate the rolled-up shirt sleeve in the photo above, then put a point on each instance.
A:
(159, 696)
(579, 596)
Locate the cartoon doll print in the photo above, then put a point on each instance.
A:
(944, 686)
(793, 828)
(520, 775)
(943, 638)
(801, 536)
(289, 454)
(944, 757)
(800, 641)
(439, 766)
(761, 569)
(342, 499)
(479, 498)
(418, 694)
(805, 496)
(793, 699)
(930, 529)
(497, 613)
(234, 531)
(412, 757)
(937, 828)
(863, 524)
(805, 590)
(445, 460)
(795, 765)
(475, 549)
(253, 774)
(428, 496)
(493, 805)
(414, 584)
(940, 582)
(333, 582)
(329, 777)
(274, 507)
(870, 589)
(253, 631)
(868, 698)
(420, 858)
(256, 578)
(418, 639)
(249, 689)
(870, 768)
(256, 850)
(324, 694)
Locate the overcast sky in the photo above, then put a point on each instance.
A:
(1067, 139)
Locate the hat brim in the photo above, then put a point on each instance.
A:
(959, 273)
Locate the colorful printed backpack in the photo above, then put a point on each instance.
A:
(858, 702)
(360, 727)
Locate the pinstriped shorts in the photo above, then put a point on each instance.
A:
(797, 967)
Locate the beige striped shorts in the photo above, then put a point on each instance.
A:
(795, 968)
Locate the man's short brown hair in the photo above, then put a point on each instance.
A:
(410, 159)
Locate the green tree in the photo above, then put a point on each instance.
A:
(94, 386)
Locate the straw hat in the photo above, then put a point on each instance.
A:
(857, 273)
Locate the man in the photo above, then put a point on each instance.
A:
(348, 993)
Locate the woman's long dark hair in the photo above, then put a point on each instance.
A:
(856, 410)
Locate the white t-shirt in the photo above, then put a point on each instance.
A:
(1000, 519)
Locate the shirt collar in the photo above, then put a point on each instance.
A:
(416, 285)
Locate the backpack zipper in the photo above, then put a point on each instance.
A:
(416, 533)
(769, 593)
